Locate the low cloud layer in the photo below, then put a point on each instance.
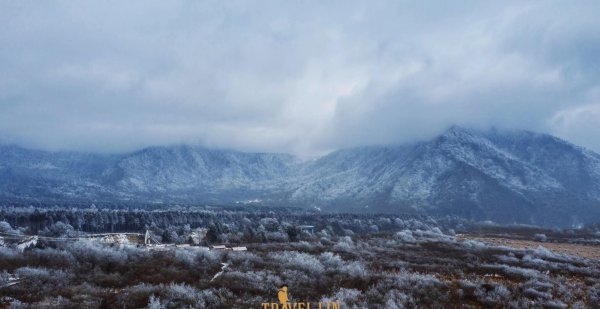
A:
(303, 77)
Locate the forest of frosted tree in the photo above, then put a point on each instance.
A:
(360, 261)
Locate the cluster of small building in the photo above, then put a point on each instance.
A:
(164, 247)
(223, 247)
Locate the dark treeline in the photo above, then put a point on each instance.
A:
(245, 223)
(223, 226)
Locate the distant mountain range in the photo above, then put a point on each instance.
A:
(503, 176)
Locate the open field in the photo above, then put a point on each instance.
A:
(585, 251)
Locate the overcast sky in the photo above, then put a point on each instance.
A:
(293, 76)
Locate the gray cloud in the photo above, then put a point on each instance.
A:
(303, 77)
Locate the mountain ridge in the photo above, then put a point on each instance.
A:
(504, 176)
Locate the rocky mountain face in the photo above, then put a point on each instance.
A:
(507, 177)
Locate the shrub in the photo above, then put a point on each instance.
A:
(300, 261)
(540, 237)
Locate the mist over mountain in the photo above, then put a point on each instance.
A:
(503, 176)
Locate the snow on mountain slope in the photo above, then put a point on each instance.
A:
(508, 177)
(185, 168)
(513, 176)
(576, 168)
(411, 172)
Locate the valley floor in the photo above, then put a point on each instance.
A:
(356, 261)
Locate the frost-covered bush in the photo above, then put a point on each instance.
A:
(178, 291)
(294, 277)
(7, 229)
(408, 290)
(508, 259)
(245, 258)
(331, 261)
(57, 302)
(474, 245)
(496, 296)
(594, 294)
(204, 256)
(306, 246)
(178, 295)
(394, 299)
(33, 272)
(269, 281)
(270, 224)
(53, 256)
(277, 236)
(344, 244)
(187, 257)
(410, 280)
(17, 304)
(540, 237)
(43, 279)
(60, 229)
(141, 291)
(154, 303)
(405, 236)
(538, 289)
(538, 295)
(531, 260)
(400, 223)
(4, 277)
(355, 269)
(94, 251)
(524, 273)
(543, 253)
(564, 289)
(554, 304)
(347, 298)
(297, 260)
(433, 233)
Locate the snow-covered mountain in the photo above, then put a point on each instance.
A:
(515, 176)
(199, 174)
(503, 176)
(177, 173)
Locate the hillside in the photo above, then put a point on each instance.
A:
(515, 176)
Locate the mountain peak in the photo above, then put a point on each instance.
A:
(456, 131)
(456, 135)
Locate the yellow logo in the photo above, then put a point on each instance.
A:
(282, 296)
